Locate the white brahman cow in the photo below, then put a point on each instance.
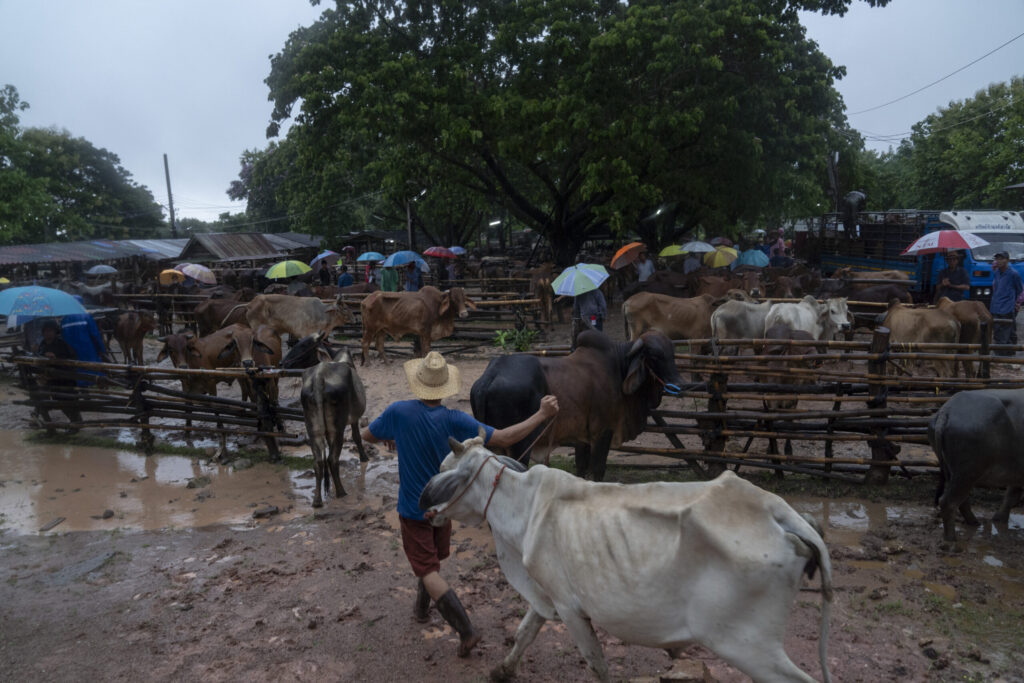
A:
(821, 321)
(661, 565)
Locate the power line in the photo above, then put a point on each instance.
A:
(896, 137)
(864, 111)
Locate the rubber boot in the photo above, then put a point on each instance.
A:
(455, 614)
(421, 608)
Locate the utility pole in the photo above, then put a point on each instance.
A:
(408, 224)
(170, 199)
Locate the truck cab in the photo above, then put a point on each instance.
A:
(1003, 230)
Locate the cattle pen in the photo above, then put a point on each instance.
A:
(845, 410)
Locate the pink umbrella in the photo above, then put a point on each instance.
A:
(721, 242)
(200, 273)
(941, 240)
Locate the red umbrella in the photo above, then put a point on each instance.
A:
(721, 242)
(941, 240)
(440, 252)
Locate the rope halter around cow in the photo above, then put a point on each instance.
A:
(430, 514)
(669, 388)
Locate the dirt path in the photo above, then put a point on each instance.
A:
(183, 583)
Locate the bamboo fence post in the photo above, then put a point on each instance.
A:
(138, 400)
(711, 433)
(881, 449)
(267, 415)
(984, 366)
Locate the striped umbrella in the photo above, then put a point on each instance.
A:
(721, 256)
(199, 273)
(284, 269)
(579, 279)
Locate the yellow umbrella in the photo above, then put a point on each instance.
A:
(170, 276)
(721, 256)
(4, 281)
(671, 250)
(286, 269)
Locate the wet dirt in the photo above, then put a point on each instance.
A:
(173, 587)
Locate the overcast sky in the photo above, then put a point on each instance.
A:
(185, 77)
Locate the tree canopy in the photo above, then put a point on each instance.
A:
(54, 186)
(573, 117)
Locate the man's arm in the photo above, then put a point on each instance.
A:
(502, 438)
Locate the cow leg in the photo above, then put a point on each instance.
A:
(358, 440)
(366, 345)
(763, 659)
(599, 455)
(955, 497)
(318, 470)
(1011, 498)
(586, 640)
(336, 442)
(380, 347)
(582, 460)
(528, 629)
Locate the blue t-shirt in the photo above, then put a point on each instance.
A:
(345, 279)
(420, 433)
(1006, 287)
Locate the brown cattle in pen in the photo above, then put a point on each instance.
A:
(923, 325)
(429, 314)
(130, 330)
(970, 315)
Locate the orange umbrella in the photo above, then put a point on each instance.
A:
(169, 277)
(627, 254)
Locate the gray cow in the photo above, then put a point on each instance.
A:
(977, 437)
(332, 397)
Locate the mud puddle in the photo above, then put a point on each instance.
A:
(105, 489)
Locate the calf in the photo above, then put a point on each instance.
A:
(977, 437)
(250, 349)
(130, 331)
(332, 397)
(662, 565)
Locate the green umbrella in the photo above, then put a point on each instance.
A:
(579, 279)
(286, 269)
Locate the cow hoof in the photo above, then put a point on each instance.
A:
(318, 503)
(502, 673)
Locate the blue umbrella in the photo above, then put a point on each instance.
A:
(331, 256)
(37, 302)
(101, 269)
(579, 279)
(400, 258)
(753, 257)
(371, 256)
(458, 251)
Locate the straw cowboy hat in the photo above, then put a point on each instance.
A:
(431, 378)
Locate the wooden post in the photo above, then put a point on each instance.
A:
(985, 369)
(881, 449)
(267, 415)
(711, 433)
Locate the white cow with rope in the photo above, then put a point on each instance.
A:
(662, 565)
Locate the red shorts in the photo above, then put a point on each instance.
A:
(425, 545)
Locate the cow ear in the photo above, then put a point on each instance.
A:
(446, 303)
(637, 373)
(163, 353)
(322, 355)
(224, 354)
(470, 304)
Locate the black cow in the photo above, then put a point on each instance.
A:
(332, 397)
(605, 391)
(977, 437)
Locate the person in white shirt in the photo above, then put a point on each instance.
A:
(644, 267)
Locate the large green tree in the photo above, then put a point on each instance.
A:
(54, 186)
(571, 116)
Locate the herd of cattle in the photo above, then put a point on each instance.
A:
(725, 585)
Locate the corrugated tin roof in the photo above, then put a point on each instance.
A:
(283, 243)
(66, 252)
(229, 246)
(161, 249)
(302, 238)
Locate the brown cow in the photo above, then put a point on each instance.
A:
(429, 314)
(254, 349)
(130, 331)
(923, 325)
(970, 315)
(676, 318)
(213, 314)
(848, 273)
(297, 316)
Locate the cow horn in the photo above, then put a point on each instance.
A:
(456, 446)
(635, 348)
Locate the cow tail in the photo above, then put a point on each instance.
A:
(936, 430)
(809, 534)
(233, 309)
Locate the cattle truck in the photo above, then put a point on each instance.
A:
(874, 241)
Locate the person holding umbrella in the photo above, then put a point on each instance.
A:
(413, 279)
(953, 279)
(52, 346)
(324, 273)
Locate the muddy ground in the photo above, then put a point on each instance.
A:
(149, 577)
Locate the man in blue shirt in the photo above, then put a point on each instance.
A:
(420, 429)
(345, 279)
(413, 279)
(81, 332)
(1006, 288)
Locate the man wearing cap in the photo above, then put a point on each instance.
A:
(1006, 288)
(953, 280)
(420, 429)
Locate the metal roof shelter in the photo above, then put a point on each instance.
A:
(229, 246)
(87, 251)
